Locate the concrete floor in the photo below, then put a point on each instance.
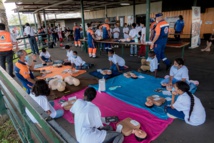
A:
(201, 67)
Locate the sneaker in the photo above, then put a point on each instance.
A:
(171, 116)
(131, 55)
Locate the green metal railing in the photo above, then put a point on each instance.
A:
(14, 100)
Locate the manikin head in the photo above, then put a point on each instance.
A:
(149, 103)
(140, 135)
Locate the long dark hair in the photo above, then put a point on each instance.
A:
(183, 86)
(41, 88)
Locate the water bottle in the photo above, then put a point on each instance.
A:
(102, 84)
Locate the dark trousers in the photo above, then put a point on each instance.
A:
(177, 37)
(33, 45)
(7, 57)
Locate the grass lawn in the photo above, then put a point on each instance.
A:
(8, 133)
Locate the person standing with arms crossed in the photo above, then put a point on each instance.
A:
(29, 32)
(6, 49)
(160, 39)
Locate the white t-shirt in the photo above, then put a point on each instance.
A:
(153, 63)
(77, 61)
(116, 34)
(138, 28)
(87, 120)
(179, 73)
(69, 54)
(46, 54)
(117, 60)
(99, 33)
(133, 33)
(29, 31)
(143, 32)
(43, 102)
(198, 115)
(126, 29)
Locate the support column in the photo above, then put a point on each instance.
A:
(46, 26)
(147, 24)
(195, 3)
(106, 11)
(34, 17)
(134, 17)
(39, 21)
(83, 24)
(22, 29)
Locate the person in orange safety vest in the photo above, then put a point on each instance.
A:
(6, 49)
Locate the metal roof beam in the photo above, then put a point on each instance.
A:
(46, 7)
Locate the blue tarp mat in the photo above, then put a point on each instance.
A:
(135, 91)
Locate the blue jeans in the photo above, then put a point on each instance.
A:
(133, 49)
(192, 86)
(160, 53)
(85, 66)
(176, 113)
(166, 81)
(33, 45)
(45, 59)
(114, 67)
(59, 112)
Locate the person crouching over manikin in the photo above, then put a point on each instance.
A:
(87, 121)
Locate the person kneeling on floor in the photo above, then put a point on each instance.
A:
(87, 121)
(187, 106)
(45, 56)
(150, 64)
(117, 63)
(78, 63)
(39, 94)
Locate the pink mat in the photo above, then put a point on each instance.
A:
(111, 106)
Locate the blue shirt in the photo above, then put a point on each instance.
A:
(179, 25)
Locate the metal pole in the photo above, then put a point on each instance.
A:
(147, 24)
(34, 17)
(22, 29)
(195, 3)
(83, 23)
(46, 25)
(106, 11)
(134, 11)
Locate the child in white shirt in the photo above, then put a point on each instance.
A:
(69, 54)
(116, 33)
(78, 63)
(133, 35)
(45, 56)
(117, 63)
(39, 94)
(150, 64)
(187, 106)
(125, 31)
(88, 124)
